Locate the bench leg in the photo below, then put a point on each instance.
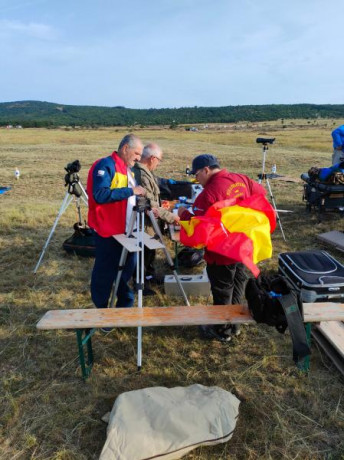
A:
(85, 363)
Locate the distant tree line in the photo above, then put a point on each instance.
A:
(47, 114)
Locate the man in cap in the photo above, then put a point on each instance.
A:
(227, 277)
(111, 191)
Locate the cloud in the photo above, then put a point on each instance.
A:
(32, 30)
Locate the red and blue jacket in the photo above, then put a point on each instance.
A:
(108, 192)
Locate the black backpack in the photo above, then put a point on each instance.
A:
(82, 242)
(272, 300)
(190, 257)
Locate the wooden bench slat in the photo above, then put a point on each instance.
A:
(147, 316)
(323, 311)
(334, 332)
(172, 316)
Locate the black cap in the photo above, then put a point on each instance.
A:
(201, 161)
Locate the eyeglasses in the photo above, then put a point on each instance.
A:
(159, 159)
(197, 172)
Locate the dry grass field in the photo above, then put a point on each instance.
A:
(47, 411)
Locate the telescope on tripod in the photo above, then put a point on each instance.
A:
(134, 240)
(265, 177)
(75, 192)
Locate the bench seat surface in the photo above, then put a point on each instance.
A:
(147, 316)
(173, 316)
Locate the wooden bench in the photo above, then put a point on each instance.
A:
(86, 321)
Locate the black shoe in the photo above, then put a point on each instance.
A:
(211, 332)
(235, 329)
(147, 292)
(106, 330)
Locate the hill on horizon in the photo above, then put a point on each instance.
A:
(49, 114)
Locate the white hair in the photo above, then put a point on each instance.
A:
(150, 150)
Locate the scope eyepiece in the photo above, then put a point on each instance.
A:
(264, 140)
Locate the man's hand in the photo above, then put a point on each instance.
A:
(138, 190)
(155, 212)
(181, 209)
(176, 220)
(339, 147)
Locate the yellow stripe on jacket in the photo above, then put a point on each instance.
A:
(119, 180)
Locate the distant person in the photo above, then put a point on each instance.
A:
(17, 173)
(111, 191)
(338, 145)
(144, 175)
(227, 277)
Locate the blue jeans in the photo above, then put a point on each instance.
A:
(108, 254)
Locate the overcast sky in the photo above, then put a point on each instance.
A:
(172, 53)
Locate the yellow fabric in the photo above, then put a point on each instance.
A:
(119, 181)
(189, 225)
(254, 224)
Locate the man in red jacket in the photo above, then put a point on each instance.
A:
(111, 189)
(227, 277)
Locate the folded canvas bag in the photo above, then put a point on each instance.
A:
(167, 423)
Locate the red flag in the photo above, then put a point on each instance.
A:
(240, 231)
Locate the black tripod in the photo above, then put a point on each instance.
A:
(265, 177)
(75, 192)
(134, 240)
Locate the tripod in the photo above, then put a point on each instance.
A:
(75, 192)
(265, 177)
(134, 240)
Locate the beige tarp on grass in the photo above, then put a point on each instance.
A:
(167, 423)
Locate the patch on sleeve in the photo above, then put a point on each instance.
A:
(101, 172)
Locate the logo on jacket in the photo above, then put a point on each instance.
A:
(101, 172)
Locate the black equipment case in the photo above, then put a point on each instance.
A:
(82, 242)
(322, 196)
(316, 274)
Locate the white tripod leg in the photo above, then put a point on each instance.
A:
(140, 274)
(84, 195)
(168, 257)
(263, 164)
(122, 261)
(275, 208)
(66, 202)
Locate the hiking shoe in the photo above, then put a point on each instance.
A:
(106, 330)
(211, 332)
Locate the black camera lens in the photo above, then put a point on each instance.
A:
(73, 167)
(264, 140)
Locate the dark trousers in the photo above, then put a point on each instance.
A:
(108, 253)
(227, 283)
(149, 255)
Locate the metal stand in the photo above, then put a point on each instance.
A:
(69, 197)
(134, 240)
(264, 176)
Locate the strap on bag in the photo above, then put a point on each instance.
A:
(296, 327)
